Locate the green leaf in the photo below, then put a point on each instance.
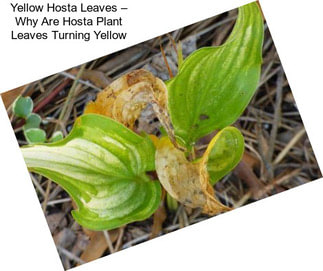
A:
(224, 152)
(102, 165)
(215, 84)
(22, 106)
(35, 135)
(32, 121)
(57, 136)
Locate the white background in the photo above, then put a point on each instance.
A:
(283, 232)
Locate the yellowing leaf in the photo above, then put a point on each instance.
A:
(190, 182)
(125, 98)
(223, 153)
(185, 181)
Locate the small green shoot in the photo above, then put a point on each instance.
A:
(35, 135)
(22, 107)
(57, 136)
(32, 121)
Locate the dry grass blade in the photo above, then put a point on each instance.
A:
(285, 176)
(290, 145)
(70, 255)
(44, 204)
(66, 109)
(277, 116)
(166, 62)
(98, 78)
(109, 241)
(120, 236)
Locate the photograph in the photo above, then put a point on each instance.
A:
(161, 135)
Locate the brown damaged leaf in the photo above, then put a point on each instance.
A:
(125, 98)
(187, 182)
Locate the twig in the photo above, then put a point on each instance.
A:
(276, 122)
(173, 43)
(146, 236)
(136, 240)
(46, 195)
(70, 95)
(70, 255)
(52, 95)
(58, 201)
(179, 209)
(290, 145)
(86, 83)
(183, 219)
(44, 102)
(55, 192)
(243, 200)
(109, 242)
(279, 180)
(166, 62)
(269, 76)
(38, 186)
(121, 233)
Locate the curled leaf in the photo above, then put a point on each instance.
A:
(190, 182)
(223, 153)
(186, 182)
(125, 98)
(215, 84)
(102, 165)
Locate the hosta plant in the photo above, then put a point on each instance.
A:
(107, 168)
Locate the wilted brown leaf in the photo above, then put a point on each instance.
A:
(125, 98)
(185, 181)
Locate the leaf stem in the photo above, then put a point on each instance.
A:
(192, 155)
(163, 117)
